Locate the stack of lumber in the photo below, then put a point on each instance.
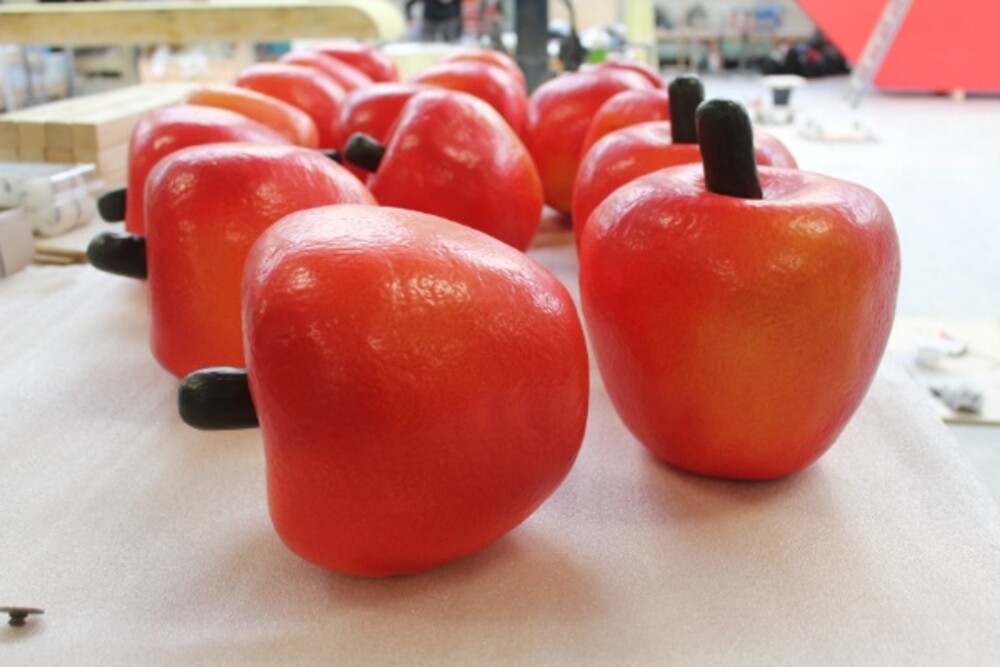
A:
(90, 129)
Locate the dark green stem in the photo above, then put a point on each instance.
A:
(333, 155)
(684, 93)
(364, 152)
(120, 253)
(111, 205)
(725, 137)
(216, 399)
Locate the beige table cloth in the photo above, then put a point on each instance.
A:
(149, 543)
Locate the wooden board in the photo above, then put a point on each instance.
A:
(185, 22)
(90, 129)
(59, 126)
(25, 130)
(72, 246)
(112, 125)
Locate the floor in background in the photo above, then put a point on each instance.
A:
(935, 163)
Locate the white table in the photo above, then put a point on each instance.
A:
(149, 543)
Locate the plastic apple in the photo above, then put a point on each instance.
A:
(349, 78)
(492, 84)
(205, 206)
(559, 115)
(738, 316)
(422, 387)
(373, 111)
(304, 87)
(450, 154)
(163, 131)
(627, 154)
(290, 121)
(376, 64)
(495, 58)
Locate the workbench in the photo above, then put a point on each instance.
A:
(149, 543)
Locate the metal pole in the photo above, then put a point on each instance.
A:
(531, 24)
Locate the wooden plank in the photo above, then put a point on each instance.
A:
(73, 244)
(8, 131)
(59, 136)
(31, 140)
(59, 156)
(185, 22)
(92, 122)
(112, 125)
(24, 130)
(11, 130)
(60, 121)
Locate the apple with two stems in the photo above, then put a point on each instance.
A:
(738, 315)
(626, 154)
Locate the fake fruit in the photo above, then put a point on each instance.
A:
(303, 87)
(205, 206)
(373, 111)
(491, 84)
(627, 154)
(349, 78)
(559, 115)
(292, 122)
(651, 75)
(629, 107)
(163, 131)
(451, 154)
(737, 322)
(374, 63)
(495, 58)
(422, 388)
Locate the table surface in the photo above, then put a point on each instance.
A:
(147, 542)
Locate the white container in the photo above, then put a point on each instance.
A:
(17, 245)
(67, 211)
(55, 197)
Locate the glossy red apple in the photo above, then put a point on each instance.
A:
(422, 387)
(738, 315)
(163, 131)
(205, 206)
(304, 87)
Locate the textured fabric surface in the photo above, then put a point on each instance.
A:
(149, 543)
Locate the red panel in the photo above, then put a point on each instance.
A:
(942, 45)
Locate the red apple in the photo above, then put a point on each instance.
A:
(738, 321)
(421, 386)
(303, 87)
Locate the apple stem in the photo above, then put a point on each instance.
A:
(684, 94)
(215, 399)
(111, 205)
(725, 137)
(364, 152)
(119, 253)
